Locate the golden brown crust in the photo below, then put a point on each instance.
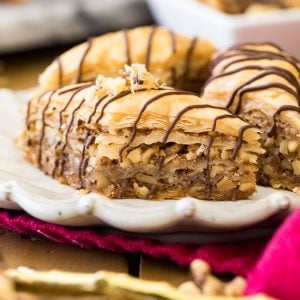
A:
(177, 60)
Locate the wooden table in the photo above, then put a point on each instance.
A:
(22, 71)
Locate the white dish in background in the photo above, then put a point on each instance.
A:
(194, 18)
(41, 23)
(23, 186)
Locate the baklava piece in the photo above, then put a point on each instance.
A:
(131, 137)
(260, 82)
(179, 61)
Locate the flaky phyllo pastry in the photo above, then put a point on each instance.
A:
(132, 137)
(260, 82)
(177, 60)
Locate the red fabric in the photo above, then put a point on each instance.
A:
(273, 269)
(237, 258)
(277, 273)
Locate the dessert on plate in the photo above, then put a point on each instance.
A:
(132, 137)
(177, 60)
(248, 6)
(260, 82)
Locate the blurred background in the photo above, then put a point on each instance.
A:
(34, 32)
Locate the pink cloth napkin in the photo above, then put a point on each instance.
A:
(271, 267)
(277, 272)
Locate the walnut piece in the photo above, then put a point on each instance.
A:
(141, 191)
(135, 155)
(225, 184)
(296, 167)
(133, 78)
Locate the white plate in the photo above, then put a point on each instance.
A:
(194, 18)
(22, 186)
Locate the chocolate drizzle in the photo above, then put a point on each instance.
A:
(122, 94)
(207, 168)
(264, 87)
(95, 108)
(262, 57)
(278, 112)
(149, 48)
(89, 140)
(174, 48)
(29, 108)
(153, 99)
(244, 45)
(48, 102)
(28, 114)
(66, 138)
(256, 54)
(249, 53)
(197, 106)
(77, 91)
(160, 162)
(209, 146)
(260, 76)
(81, 62)
(188, 58)
(173, 41)
(75, 88)
(181, 113)
(252, 54)
(60, 71)
(277, 70)
(239, 142)
(210, 139)
(127, 47)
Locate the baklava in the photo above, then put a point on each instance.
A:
(131, 137)
(179, 61)
(260, 82)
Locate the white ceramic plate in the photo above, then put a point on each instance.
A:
(194, 18)
(22, 186)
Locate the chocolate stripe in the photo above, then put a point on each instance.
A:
(262, 57)
(264, 87)
(174, 49)
(144, 107)
(74, 88)
(89, 139)
(239, 142)
(255, 78)
(60, 71)
(182, 112)
(42, 136)
(293, 79)
(66, 137)
(278, 112)
(127, 47)
(82, 60)
(188, 59)
(209, 146)
(149, 48)
(77, 91)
